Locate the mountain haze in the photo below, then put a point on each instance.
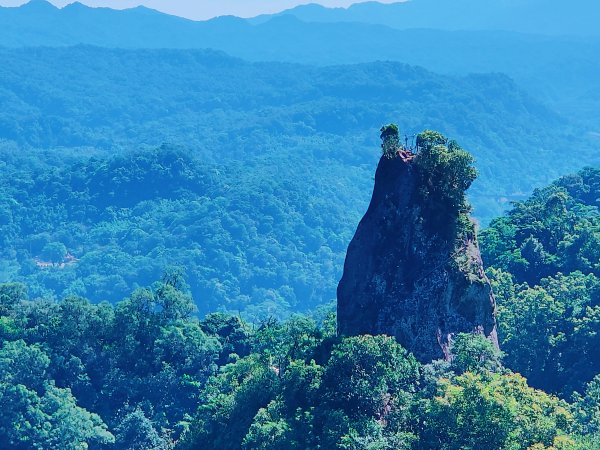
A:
(562, 71)
(111, 99)
(548, 17)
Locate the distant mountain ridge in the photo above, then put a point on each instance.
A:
(548, 17)
(39, 23)
(536, 62)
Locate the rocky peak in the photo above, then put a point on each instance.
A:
(413, 269)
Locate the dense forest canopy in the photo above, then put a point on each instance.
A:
(247, 239)
(544, 260)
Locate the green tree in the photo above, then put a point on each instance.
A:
(49, 420)
(587, 408)
(11, 294)
(368, 374)
(446, 172)
(136, 432)
(54, 252)
(231, 332)
(367, 394)
(481, 411)
(23, 364)
(474, 353)
(549, 330)
(186, 347)
(230, 402)
(390, 140)
(268, 432)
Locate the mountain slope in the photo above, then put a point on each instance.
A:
(91, 97)
(544, 259)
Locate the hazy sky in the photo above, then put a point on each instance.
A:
(203, 9)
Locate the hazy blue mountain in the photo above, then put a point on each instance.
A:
(94, 97)
(549, 17)
(564, 72)
(41, 23)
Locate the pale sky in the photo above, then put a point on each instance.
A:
(204, 9)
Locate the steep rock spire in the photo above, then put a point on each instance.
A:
(413, 269)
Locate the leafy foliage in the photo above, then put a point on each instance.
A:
(72, 370)
(587, 408)
(556, 230)
(473, 352)
(447, 172)
(143, 374)
(368, 394)
(359, 397)
(544, 267)
(390, 140)
(494, 411)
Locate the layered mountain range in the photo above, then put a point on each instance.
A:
(548, 51)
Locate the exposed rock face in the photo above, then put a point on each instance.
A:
(411, 275)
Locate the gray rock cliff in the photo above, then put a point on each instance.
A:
(412, 270)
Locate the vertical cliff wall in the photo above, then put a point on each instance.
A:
(413, 269)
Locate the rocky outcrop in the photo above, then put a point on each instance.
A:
(411, 271)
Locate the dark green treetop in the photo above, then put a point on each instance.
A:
(390, 140)
(447, 171)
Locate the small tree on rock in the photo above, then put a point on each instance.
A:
(390, 140)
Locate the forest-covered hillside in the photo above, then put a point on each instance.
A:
(146, 373)
(295, 140)
(227, 108)
(252, 236)
(544, 260)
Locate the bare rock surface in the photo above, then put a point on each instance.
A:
(409, 274)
